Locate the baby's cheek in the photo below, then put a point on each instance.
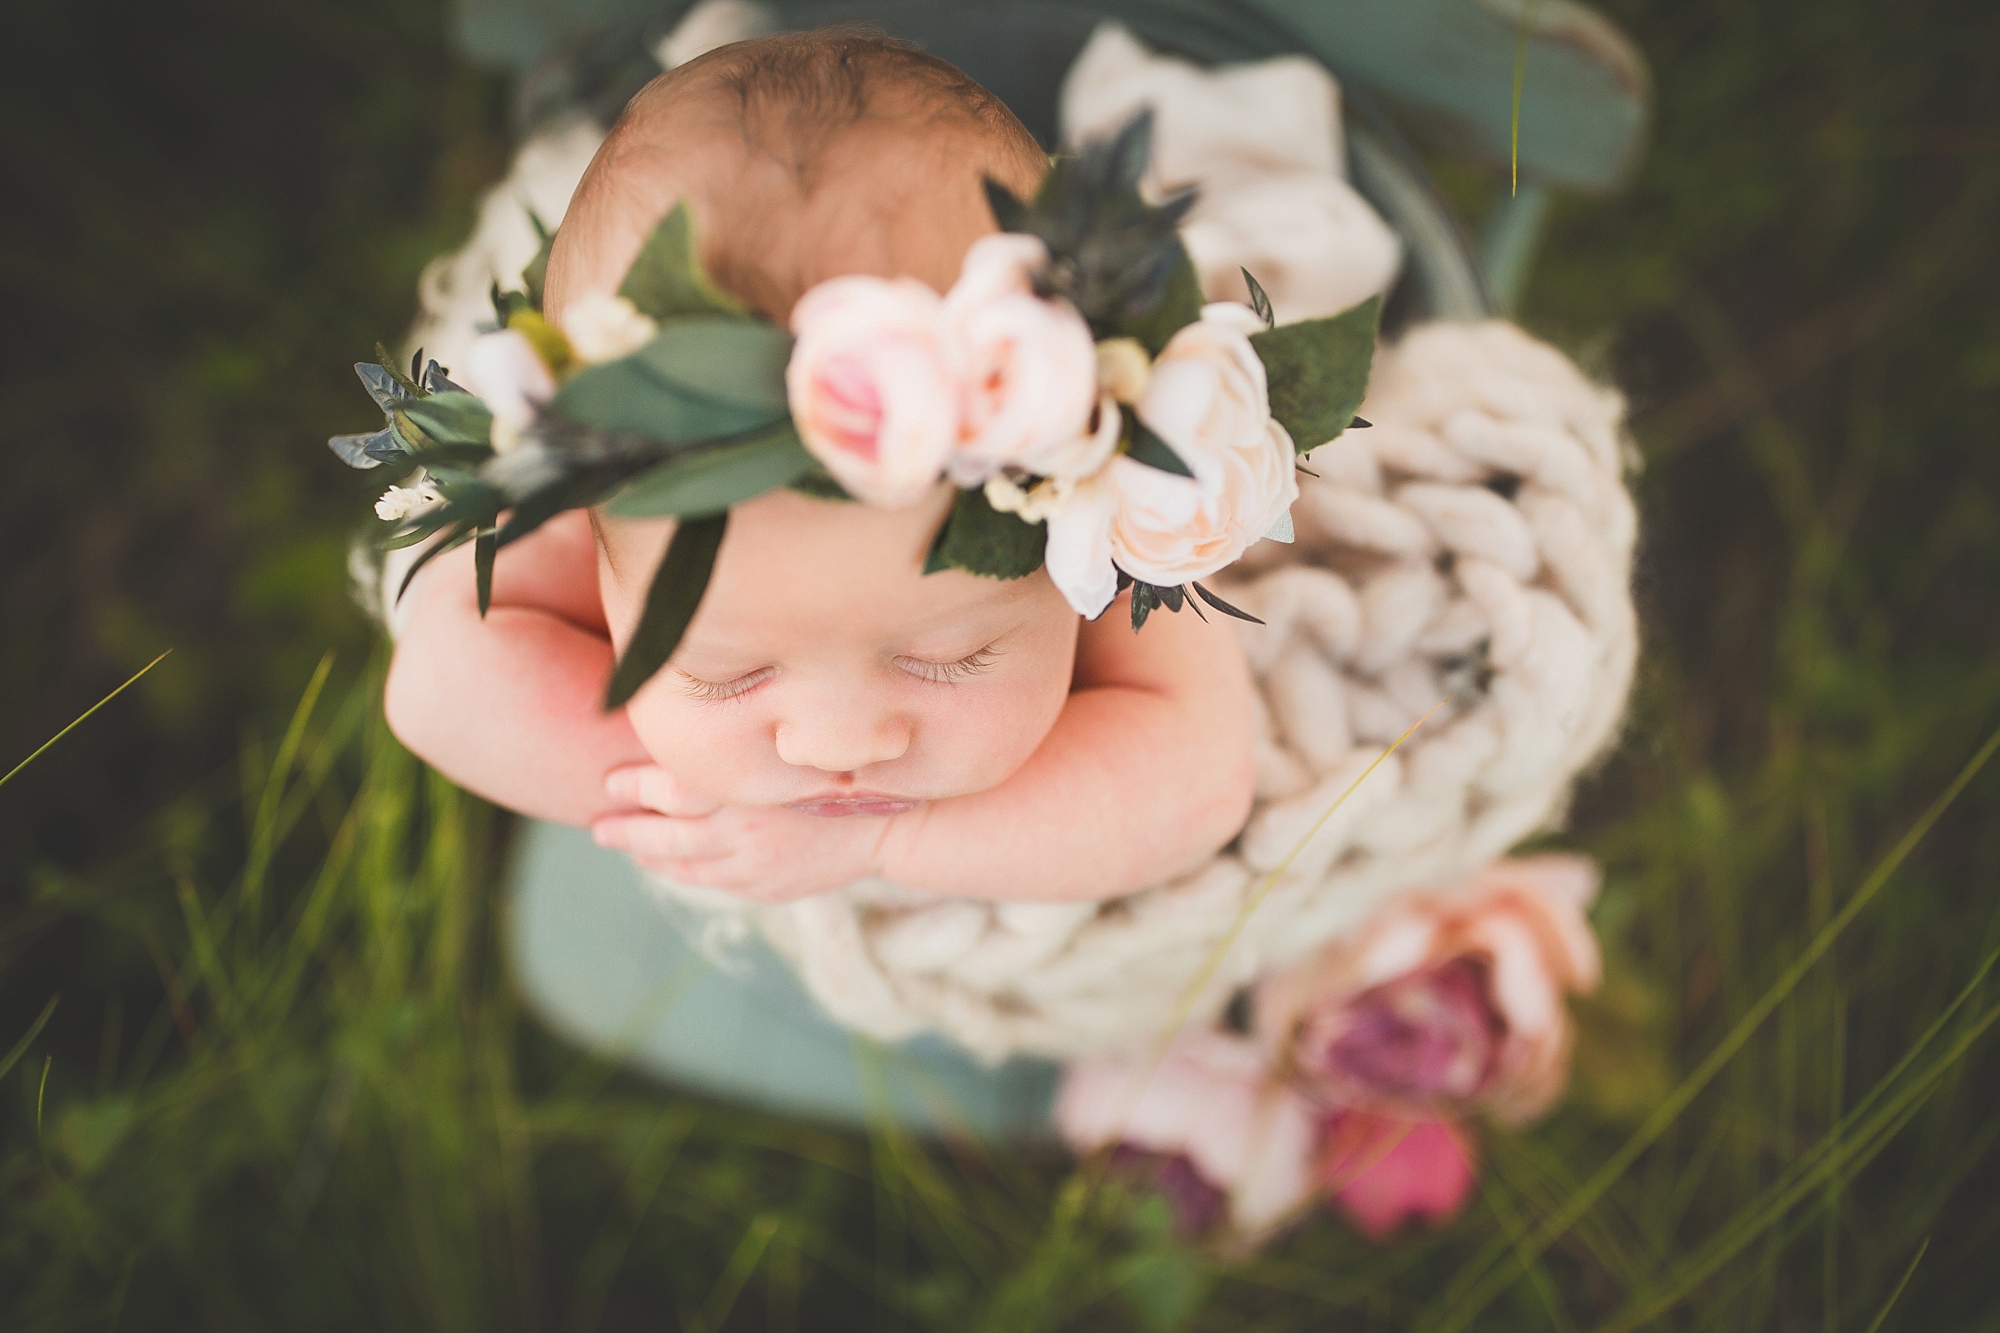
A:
(697, 745)
(991, 733)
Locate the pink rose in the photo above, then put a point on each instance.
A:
(1028, 367)
(872, 385)
(1383, 1173)
(1446, 1002)
(1206, 1122)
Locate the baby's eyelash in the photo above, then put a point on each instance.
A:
(943, 673)
(712, 691)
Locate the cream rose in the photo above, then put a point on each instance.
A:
(1208, 399)
(1028, 367)
(1210, 1113)
(504, 371)
(1446, 1002)
(873, 388)
(604, 327)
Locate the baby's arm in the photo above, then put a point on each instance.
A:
(1145, 774)
(508, 706)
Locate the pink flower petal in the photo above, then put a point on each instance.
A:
(1385, 1173)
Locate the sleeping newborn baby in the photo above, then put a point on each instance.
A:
(832, 711)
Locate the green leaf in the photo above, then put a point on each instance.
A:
(1179, 306)
(452, 418)
(676, 591)
(817, 482)
(701, 379)
(536, 275)
(981, 540)
(483, 552)
(714, 479)
(1163, 1287)
(734, 360)
(1260, 300)
(1148, 448)
(1318, 371)
(668, 280)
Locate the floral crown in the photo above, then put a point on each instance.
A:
(1094, 414)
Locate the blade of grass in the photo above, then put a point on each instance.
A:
(27, 1038)
(1896, 1295)
(729, 1284)
(1486, 1281)
(86, 713)
(264, 827)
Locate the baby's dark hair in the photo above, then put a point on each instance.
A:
(803, 155)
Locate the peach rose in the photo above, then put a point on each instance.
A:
(1214, 1133)
(873, 387)
(504, 371)
(1029, 369)
(1446, 1002)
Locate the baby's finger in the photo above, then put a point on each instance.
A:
(660, 837)
(654, 788)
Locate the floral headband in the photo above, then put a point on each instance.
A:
(1094, 414)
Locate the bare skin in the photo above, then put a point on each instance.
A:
(832, 713)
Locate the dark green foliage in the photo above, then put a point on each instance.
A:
(671, 600)
(451, 418)
(1318, 371)
(1116, 258)
(1143, 445)
(981, 540)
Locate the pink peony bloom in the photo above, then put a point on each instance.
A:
(1446, 1002)
(1383, 1173)
(874, 387)
(1029, 369)
(1205, 1117)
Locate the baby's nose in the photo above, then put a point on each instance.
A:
(842, 740)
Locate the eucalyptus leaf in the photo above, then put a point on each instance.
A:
(1144, 598)
(452, 418)
(713, 479)
(1179, 305)
(367, 451)
(1318, 371)
(536, 274)
(671, 601)
(658, 393)
(668, 279)
(981, 540)
(404, 382)
(817, 482)
(739, 361)
(1221, 605)
(383, 385)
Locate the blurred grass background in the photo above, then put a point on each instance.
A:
(284, 1083)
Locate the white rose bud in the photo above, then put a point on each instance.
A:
(504, 371)
(605, 327)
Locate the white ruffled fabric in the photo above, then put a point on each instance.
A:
(1475, 544)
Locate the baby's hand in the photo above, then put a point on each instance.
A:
(767, 854)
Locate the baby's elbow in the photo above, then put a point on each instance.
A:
(406, 705)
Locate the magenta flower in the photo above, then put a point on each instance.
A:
(1383, 1173)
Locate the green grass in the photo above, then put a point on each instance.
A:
(285, 1083)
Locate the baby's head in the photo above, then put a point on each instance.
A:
(824, 668)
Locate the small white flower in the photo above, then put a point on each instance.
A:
(604, 327)
(504, 371)
(1034, 503)
(399, 502)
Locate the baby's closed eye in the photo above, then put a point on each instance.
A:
(715, 691)
(945, 673)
